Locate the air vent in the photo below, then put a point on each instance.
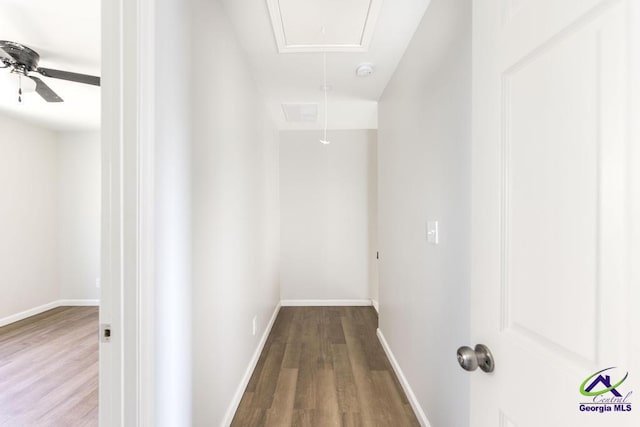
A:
(300, 112)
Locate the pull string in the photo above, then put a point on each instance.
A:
(20, 88)
(324, 73)
(325, 89)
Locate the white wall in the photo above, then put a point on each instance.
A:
(328, 215)
(78, 205)
(49, 216)
(235, 214)
(28, 217)
(372, 209)
(424, 174)
(169, 156)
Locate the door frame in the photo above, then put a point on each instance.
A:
(126, 383)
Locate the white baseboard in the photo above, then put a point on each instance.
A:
(324, 302)
(78, 302)
(28, 313)
(233, 407)
(403, 381)
(45, 307)
(374, 303)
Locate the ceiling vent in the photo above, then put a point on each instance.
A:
(323, 26)
(300, 112)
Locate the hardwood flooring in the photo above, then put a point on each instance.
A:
(49, 369)
(324, 366)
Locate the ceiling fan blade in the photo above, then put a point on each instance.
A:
(45, 91)
(67, 75)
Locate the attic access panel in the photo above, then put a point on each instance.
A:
(348, 24)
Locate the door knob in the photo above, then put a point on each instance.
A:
(469, 359)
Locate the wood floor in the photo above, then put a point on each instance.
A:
(324, 366)
(49, 369)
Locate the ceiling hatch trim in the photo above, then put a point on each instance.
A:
(285, 43)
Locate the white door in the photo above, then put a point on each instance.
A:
(555, 256)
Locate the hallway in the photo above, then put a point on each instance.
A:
(324, 366)
(464, 167)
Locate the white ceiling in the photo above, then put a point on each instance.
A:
(66, 34)
(297, 77)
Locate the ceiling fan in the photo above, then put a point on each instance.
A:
(23, 61)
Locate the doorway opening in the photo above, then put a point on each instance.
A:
(50, 212)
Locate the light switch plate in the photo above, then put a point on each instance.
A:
(432, 232)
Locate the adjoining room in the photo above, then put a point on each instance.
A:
(50, 212)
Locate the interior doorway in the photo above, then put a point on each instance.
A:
(50, 212)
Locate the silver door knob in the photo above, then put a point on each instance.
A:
(469, 359)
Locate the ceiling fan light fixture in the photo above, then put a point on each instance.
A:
(24, 61)
(15, 86)
(20, 81)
